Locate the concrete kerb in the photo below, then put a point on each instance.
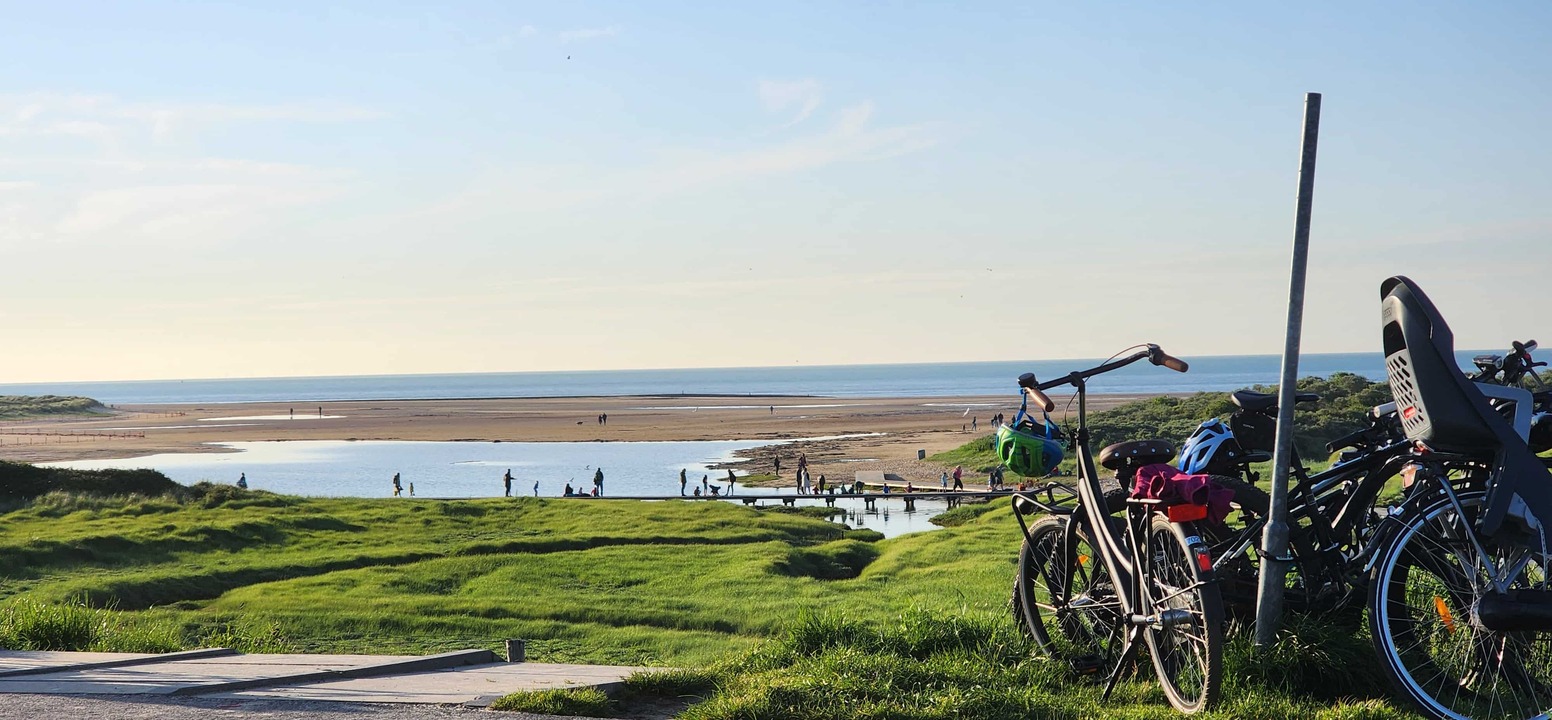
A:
(125, 662)
(422, 664)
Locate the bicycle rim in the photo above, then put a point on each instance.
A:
(1064, 596)
(1425, 587)
(1187, 646)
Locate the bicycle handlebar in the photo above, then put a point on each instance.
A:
(1033, 387)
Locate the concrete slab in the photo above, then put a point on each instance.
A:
(472, 685)
(168, 677)
(464, 677)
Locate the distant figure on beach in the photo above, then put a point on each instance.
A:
(821, 483)
(605, 418)
(773, 409)
(536, 488)
(777, 461)
(682, 481)
(598, 482)
(293, 413)
(973, 422)
(944, 480)
(320, 411)
(506, 481)
(397, 488)
(412, 489)
(958, 474)
(569, 491)
(242, 480)
(706, 482)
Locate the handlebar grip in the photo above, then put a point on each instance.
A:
(1031, 388)
(1040, 399)
(1174, 363)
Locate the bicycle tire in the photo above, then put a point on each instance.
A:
(1187, 643)
(1063, 597)
(1422, 596)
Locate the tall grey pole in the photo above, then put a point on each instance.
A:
(1274, 563)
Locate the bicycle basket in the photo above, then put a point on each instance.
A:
(1029, 448)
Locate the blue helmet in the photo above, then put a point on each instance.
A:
(1211, 447)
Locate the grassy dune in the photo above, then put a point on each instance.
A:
(773, 614)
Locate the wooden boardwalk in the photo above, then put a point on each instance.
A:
(953, 497)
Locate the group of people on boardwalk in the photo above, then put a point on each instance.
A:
(806, 484)
(705, 488)
(398, 487)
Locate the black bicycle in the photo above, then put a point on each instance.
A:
(1111, 583)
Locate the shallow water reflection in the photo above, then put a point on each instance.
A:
(341, 468)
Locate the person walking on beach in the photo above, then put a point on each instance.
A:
(682, 481)
(397, 488)
(320, 411)
(958, 475)
(605, 418)
(293, 413)
(506, 481)
(973, 422)
(598, 481)
(536, 488)
(242, 480)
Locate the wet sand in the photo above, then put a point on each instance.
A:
(891, 430)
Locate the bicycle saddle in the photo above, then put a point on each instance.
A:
(1260, 402)
(1136, 453)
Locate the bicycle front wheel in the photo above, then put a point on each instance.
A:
(1426, 588)
(1185, 638)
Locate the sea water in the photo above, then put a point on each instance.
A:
(342, 468)
(836, 381)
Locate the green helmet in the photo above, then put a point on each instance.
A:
(1029, 449)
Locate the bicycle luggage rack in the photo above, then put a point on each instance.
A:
(1026, 502)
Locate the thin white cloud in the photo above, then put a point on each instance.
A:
(581, 34)
(806, 95)
(527, 31)
(16, 185)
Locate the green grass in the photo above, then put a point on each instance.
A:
(585, 702)
(21, 407)
(768, 614)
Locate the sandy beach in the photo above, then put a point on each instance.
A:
(886, 432)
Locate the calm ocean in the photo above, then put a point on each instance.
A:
(916, 380)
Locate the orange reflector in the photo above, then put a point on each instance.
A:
(1444, 614)
(1083, 559)
(1204, 562)
(1186, 513)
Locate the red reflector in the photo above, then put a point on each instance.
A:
(1408, 413)
(1186, 513)
(1204, 561)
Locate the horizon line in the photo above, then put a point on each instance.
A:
(636, 369)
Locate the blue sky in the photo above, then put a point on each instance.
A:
(199, 190)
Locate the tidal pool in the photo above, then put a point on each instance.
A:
(343, 468)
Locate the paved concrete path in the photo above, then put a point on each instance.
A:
(470, 677)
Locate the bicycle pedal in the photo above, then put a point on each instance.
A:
(1087, 664)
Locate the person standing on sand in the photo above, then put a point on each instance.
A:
(777, 461)
(397, 488)
(605, 418)
(242, 480)
(320, 411)
(506, 480)
(958, 474)
(412, 489)
(536, 488)
(598, 482)
(682, 481)
(973, 422)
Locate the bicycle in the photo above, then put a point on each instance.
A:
(1460, 608)
(1152, 585)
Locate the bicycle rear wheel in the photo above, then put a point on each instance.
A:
(1186, 641)
(1062, 596)
(1423, 599)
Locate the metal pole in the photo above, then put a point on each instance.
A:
(1274, 542)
